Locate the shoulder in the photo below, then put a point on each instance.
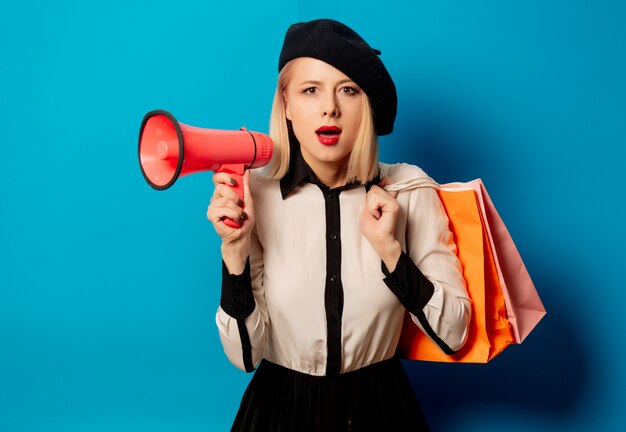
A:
(399, 171)
(403, 177)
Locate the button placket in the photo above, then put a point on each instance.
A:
(333, 296)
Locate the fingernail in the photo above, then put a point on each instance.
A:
(239, 202)
(232, 181)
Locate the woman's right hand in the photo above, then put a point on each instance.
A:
(225, 203)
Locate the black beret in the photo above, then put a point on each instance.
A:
(341, 47)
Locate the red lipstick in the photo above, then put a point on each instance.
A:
(328, 135)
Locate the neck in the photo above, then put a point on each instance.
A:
(332, 174)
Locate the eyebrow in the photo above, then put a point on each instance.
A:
(319, 82)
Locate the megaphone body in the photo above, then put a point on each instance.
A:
(169, 150)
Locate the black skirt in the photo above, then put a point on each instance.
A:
(377, 398)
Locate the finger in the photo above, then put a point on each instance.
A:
(377, 190)
(226, 192)
(368, 212)
(381, 202)
(215, 214)
(378, 196)
(392, 193)
(387, 203)
(374, 213)
(223, 178)
(384, 182)
(225, 202)
(218, 199)
(372, 205)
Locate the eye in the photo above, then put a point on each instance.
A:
(349, 90)
(310, 90)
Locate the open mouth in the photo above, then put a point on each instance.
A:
(328, 131)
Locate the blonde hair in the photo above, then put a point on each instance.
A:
(363, 162)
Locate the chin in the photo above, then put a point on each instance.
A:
(331, 153)
(325, 153)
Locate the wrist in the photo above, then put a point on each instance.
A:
(390, 253)
(235, 257)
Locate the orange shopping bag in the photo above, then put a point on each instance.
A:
(490, 330)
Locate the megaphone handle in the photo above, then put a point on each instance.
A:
(236, 172)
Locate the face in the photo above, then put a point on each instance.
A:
(325, 108)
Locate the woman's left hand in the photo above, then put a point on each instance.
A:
(378, 222)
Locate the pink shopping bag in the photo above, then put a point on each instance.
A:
(523, 306)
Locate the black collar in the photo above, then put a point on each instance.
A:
(300, 171)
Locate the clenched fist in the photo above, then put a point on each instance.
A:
(225, 203)
(378, 223)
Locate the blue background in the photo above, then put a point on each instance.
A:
(108, 288)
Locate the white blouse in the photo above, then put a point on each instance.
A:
(323, 303)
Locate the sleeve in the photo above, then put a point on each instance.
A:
(241, 318)
(428, 278)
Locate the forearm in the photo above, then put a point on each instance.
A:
(408, 283)
(435, 307)
(390, 253)
(235, 257)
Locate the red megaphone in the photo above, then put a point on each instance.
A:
(169, 149)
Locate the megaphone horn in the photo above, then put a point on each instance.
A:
(169, 150)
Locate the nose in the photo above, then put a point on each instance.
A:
(330, 107)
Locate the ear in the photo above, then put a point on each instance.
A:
(286, 104)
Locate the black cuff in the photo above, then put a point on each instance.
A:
(409, 284)
(237, 299)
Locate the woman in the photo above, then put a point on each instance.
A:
(317, 280)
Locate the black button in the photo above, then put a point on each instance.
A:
(236, 290)
(333, 319)
(333, 237)
(333, 278)
(330, 195)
